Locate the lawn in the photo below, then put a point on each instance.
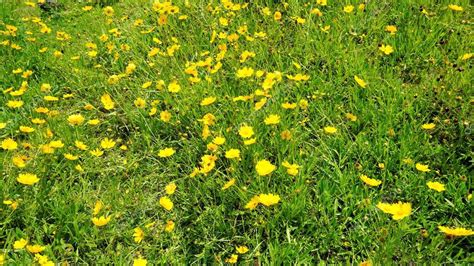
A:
(249, 132)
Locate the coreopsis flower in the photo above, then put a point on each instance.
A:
(166, 203)
(97, 207)
(140, 103)
(348, 8)
(269, 199)
(386, 49)
(108, 11)
(15, 104)
(455, 8)
(370, 181)
(245, 72)
(330, 130)
(232, 259)
(291, 169)
(360, 81)
(35, 248)
(167, 152)
(20, 243)
(138, 235)
(391, 29)
(264, 167)
(285, 134)
(437, 186)
(428, 126)
(169, 226)
(170, 188)
(351, 117)
(208, 101)
(101, 221)
(242, 249)
(398, 210)
(9, 144)
(246, 132)
(107, 102)
(232, 154)
(165, 116)
(272, 120)
(228, 184)
(140, 262)
(218, 140)
(107, 143)
(457, 231)
(422, 167)
(174, 87)
(27, 179)
(75, 120)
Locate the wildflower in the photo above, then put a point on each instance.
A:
(351, 117)
(330, 130)
(253, 203)
(140, 103)
(80, 145)
(166, 203)
(25, 129)
(170, 188)
(277, 15)
(15, 104)
(246, 132)
(360, 81)
(208, 101)
(138, 235)
(245, 72)
(285, 134)
(264, 167)
(20, 243)
(422, 167)
(429, 126)
(35, 248)
(174, 87)
(108, 11)
(386, 49)
(242, 249)
(228, 184)
(218, 140)
(291, 169)
(140, 262)
(370, 181)
(457, 231)
(322, 2)
(101, 221)
(232, 154)
(165, 116)
(75, 120)
(269, 199)
(391, 28)
(272, 120)
(167, 152)
(97, 207)
(169, 226)
(9, 144)
(97, 152)
(398, 210)
(232, 259)
(436, 186)
(455, 8)
(107, 143)
(27, 179)
(348, 8)
(107, 102)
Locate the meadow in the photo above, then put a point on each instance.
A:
(249, 132)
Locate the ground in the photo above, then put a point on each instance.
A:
(253, 132)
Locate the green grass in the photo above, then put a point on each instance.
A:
(326, 214)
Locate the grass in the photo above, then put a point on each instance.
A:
(325, 213)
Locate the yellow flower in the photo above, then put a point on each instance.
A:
(170, 188)
(245, 72)
(140, 262)
(348, 8)
(391, 28)
(20, 244)
(458, 231)
(360, 81)
(264, 167)
(138, 235)
(272, 120)
(140, 103)
(166, 203)
(466, 56)
(330, 130)
(253, 203)
(27, 179)
(250, 141)
(75, 119)
(269, 199)
(165, 116)
(232, 154)
(386, 49)
(455, 8)
(71, 157)
(15, 104)
(428, 126)
(398, 210)
(101, 221)
(242, 249)
(2, 259)
(277, 15)
(174, 87)
(166, 152)
(218, 140)
(80, 145)
(228, 184)
(208, 101)
(232, 259)
(246, 132)
(108, 11)
(291, 169)
(322, 2)
(107, 102)
(97, 207)
(370, 181)
(9, 144)
(35, 248)
(351, 117)
(436, 186)
(107, 143)
(422, 167)
(169, 226)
